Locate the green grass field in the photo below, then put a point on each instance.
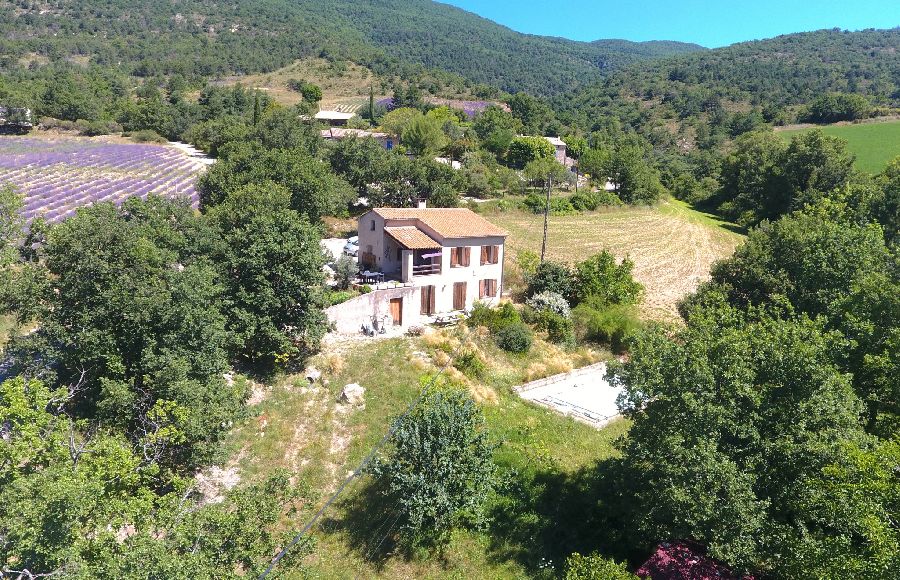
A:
(874, 144)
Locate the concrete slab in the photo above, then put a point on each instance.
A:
(583, 394)
(334, 246)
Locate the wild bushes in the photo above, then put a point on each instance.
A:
(505, 323)
(603, 292)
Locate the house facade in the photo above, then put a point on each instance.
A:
(560, 148)
(433, 261)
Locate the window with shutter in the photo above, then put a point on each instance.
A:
(490, 255)
(467, 254)
(487, 289)
(454, 257)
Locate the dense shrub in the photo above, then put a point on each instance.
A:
(613, 325)
(585, 200)
(599, 277)
(560, 329)
(550, 277)
(537, 203)
(147, 136)
(470, 364)
(515, 337)
(550, 302)
(338, 297)
(441, 470)
(595, 567)
(687, 188)
(493, 318)
(95, 128)
(835, 107)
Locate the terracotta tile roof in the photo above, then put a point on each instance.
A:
(412, 238)
(446, 222)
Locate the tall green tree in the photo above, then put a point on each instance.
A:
(271, 264)
(315, 190)
(635, 179)
(131, 320)
(738, 425)
(441, 469)
(523, 150)
(79, 503)
(424, 136)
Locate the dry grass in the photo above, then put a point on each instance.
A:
(346, 85)
(671, 245)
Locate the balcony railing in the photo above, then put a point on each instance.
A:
(426, 269)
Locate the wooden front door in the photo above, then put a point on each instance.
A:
(397, 311)
(459, 296)
(428, 300)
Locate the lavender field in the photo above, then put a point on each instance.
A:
(59, 175)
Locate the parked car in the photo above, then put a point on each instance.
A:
(351, 248)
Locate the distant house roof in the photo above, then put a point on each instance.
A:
(556, 141)
(685, 561)
(412, 238)
(446, 222)
(334, 116)
(341, 132)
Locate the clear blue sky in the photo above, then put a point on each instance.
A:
(711, 23)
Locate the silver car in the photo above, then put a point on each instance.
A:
(351, 248)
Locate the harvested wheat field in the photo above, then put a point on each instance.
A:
(672, 246)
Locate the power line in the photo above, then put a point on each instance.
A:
(363, 464)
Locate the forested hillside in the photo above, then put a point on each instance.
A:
(773, 76)
(201, 38)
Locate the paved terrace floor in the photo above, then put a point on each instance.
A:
(583, 394)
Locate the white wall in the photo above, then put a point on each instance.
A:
(471, 275)
(384, 247)
(348, 317)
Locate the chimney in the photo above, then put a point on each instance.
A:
(421, 203)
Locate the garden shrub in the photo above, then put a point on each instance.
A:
(550, 302)
(332, 298)
(493, 318)
(614, 325)
(470, 364)
(515, 337)
(441, 470)
(550, 277)
(595, 567)
(560, 329)
(600, 277)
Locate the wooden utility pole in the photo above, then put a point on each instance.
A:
(546, 217)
